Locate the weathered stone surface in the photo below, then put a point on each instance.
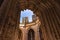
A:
(48, 12)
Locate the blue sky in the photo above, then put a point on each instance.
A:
(26, 13)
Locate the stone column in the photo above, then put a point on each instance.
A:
(24, 33)
(36, 29)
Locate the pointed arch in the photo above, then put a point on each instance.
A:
(31, 35)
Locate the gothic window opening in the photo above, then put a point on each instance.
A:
(31, 35)
(28, 20)
(27, 16)
(1, 1)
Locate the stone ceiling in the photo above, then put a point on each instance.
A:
(48, 12)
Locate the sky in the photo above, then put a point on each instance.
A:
(26, 13)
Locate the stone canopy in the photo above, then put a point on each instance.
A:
(48, 12)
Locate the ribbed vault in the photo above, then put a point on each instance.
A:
(47, 10)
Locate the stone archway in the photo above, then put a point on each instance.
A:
(50, 16)
(31, 35)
